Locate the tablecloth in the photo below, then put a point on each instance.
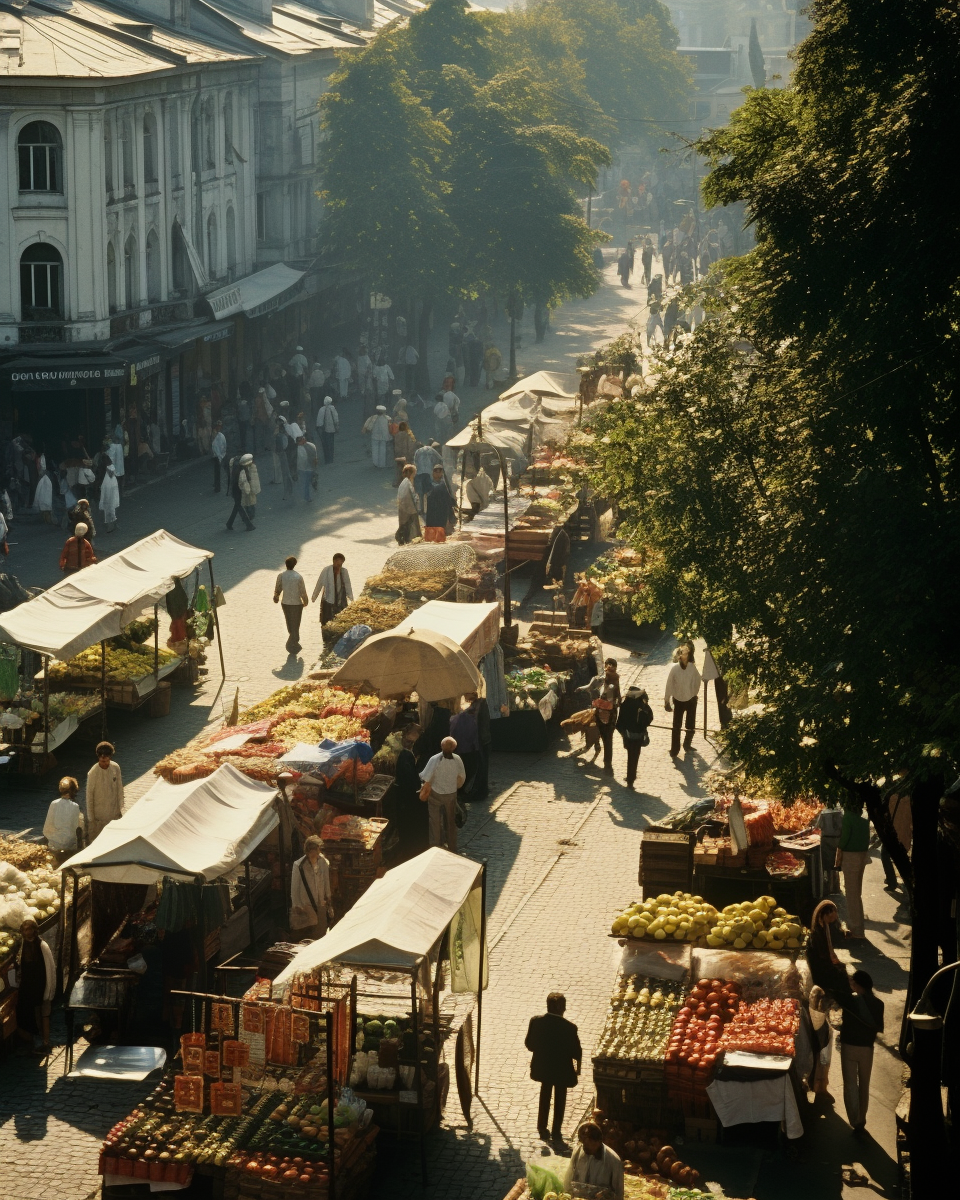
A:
(739, 1103)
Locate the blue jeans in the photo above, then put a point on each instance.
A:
(306, 476)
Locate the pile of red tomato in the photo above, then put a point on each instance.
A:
(763, 1027)
(698, 1027)
(291, 1171)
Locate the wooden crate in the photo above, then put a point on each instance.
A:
(666, 861)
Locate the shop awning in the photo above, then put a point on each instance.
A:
(259, 293)
(98, 601)
(62, 373)
(474, 627)
(207, 331)
(188, 830)
(399, 918)
(142, 359)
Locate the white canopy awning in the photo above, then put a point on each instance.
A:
(98, 601)
(204, 828)
(257, 294)
(474, 627)
(398, 919)
(545, 383)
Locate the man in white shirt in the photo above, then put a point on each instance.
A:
(382, 379)
(446, 775)
(452, 401)
(425, 459)
(333, 586)
(298, 364)
(343, 370)
(477, 491)
(442, 422)
(594, 1163)
(379, 436)
(63, 827)
(291, 593)
(683, 687)
(104, 792)
(218, 448)
(311, 902)
(328, 424)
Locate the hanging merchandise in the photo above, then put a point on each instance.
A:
(202, 625)
(9, 671)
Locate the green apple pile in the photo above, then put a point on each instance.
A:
(760, 924)
(681, 917)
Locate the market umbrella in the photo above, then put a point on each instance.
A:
(417, 660)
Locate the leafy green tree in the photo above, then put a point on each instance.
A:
(794, 468)
(383, 187)
(521, 227)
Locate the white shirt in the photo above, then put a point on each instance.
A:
(383, 377)
(104, 797)
(425, 459)
(328, 419)
(298, 364)
(219, 446)
(606, 1171)
(446, 774)
(63, 820)
(293, 430)
(331, 586)
(478, 489)
(290, 588)
(344, 370)
(411, 356)
(318, 881)
(115, 454)
(452, 401)
(683, 683)
(317, 377)
(380, 429)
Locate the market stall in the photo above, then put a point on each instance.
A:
(256, 1101)
(86, 630)
(474, 628)
(707, 1021)
(417, 943)
(176, 864)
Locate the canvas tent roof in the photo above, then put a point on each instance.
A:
(474, 627)
(398, 919)
(98, 601)
(202, 828)
(545, 383)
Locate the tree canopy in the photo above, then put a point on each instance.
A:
(793, 469)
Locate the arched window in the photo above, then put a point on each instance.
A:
(209, 141)
(41, 283)
(153, 267)
(150, 148)
(111, 277)
(181, 268)
(231, 240)
(40, 154)
(108, 175)
(213, 261)
(131, 273)
(129, 175)
(228, 128)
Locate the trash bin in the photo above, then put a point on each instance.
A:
(160, 700)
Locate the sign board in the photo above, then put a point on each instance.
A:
(76, 373)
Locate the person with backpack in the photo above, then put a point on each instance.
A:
(633, 721)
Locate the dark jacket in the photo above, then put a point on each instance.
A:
(439, 506)
(555, 1046)
(634, 717)
(862, 1020)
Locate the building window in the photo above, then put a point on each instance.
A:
(209, 143)
(131, 273)
(181, 269)
(41, 283)
(107, 158)
(231, 241)
(153, 267)
(129, 176)
(41, 158)
(111, 277)
(228, 129)
(150, 148)
(261, 217)
(213, 262)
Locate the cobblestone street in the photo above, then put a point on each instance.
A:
(561, 840)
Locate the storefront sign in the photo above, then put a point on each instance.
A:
(219, 335)
(144, 367)
(228, 300)
(275, 302)
(24, 376)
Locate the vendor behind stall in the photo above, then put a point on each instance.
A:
(593, 1163)
(311, 901)
(37, 981)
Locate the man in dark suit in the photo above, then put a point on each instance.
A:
(555, 1046)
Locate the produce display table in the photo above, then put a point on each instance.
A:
(98, 991)
(726, 885)
(750, 1102)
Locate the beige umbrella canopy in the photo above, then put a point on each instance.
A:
(419, 660)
